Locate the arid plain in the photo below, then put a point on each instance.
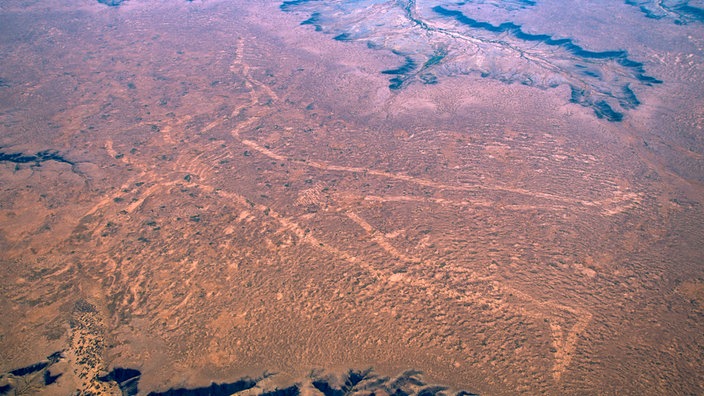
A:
(210, 190)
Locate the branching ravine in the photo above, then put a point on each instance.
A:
(600, 80)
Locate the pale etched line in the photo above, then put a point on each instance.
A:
(380, 240)
(241, 68)
(146, 194)
(439, 201)
(420, 181)
(212, 124)
(114, 154)
(253, 84)
(166, 134)
(239, 52)
(267, 152)
(244, 125)
(565, 346)
(250, 82)
(133, 205)
(463, 203)
(303, 235)
(209, 161)
(168, 131)
(570, 345)
(106, 200)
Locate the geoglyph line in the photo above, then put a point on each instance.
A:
(380, 240)
(239, 65)
(565, 345)
(463, 203)
(564, 342)
(437, 185)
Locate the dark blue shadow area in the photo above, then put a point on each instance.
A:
(406, 68)
(566, 43)
(55, 357)
(287, 5)
(430, 51)
(429, 78)
(410, 377)
(601, 108)
(111, 3)
(343, 37)
(358, 382)
(127, 380)
(437, 57)
(314, 20)
(679, 9)
(326, 389)
(290, 391)
(650, 14)
(694, 12)
(432, 391)
(21, 372)
(508, 4)
(121, 374)
(629, 99)
(402, 72)
(351, 380)
(396, 83)
(604, 110)
(50, 379)
(624, 95)
(214, 389)
(34, 376)
(42, 156)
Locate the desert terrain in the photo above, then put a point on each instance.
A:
(351, 197)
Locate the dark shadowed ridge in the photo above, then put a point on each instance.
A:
(111, 3)
(49, 378)
(567, 43)
(602, 109)
(293, 390)
(42, 156)
(408, 383)
(21, 372)
(214, 389)
(401, 73)
(367, 382)
(35, 376)
(127, 380)
(506, 4)
(287, 5)
(584, 71)
(681, 11)
(313, 20)
(695, 13)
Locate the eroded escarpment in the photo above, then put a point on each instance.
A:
(681, 12)
(440, 40)
(42, 377)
